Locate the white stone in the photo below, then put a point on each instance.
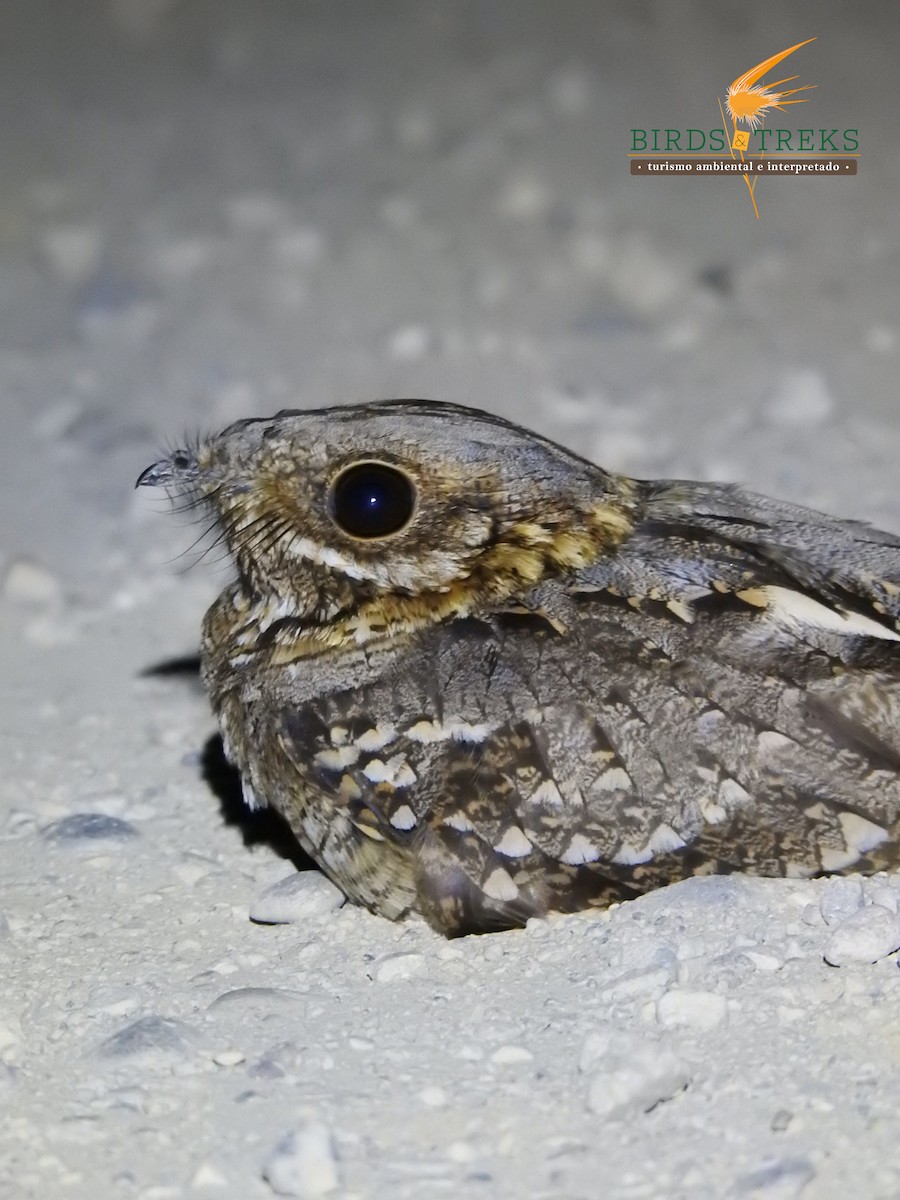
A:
(299, 897)
(866, 936)
(409, 343)
(634, 1079)
(30, 583)
(304, 1163)
(841, 898)
(399, 966)
(208, 1175)
(509, 1055)
(696, 1010)
(802, 397)
(228, 1058)
(73, 251)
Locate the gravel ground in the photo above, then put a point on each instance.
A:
(212, 209)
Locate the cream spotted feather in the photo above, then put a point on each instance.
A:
(484, 679)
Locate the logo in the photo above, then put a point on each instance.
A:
(754, 149)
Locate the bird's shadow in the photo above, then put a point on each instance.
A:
(257, 826)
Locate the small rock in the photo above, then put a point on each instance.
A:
(801, 398)
(304, 1163)
(840, 899)
(228, 1058)
(299, 897)
(594, 1049)
(697, 1010)
(639, 983)
(149, 1034)
(524, 198)
(409, 343)
(399, 966)
(208, 1175)
(883, 895)
(73, 251)
(634, 1079)
(866, 936)
(31, 583)
(91, 827)
(257, 1000)
(508, 1055)
(782, 1179)
(763, 960)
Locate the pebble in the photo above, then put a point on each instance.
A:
(409, 343)
(696, 1010)
(257, 999)
(763, 960)
(299, 897)
(630, 1077)
(801, 398)
(229, 1058)
(30, 583)
(304, 1163)
(208, 1175)
(509, 1055)
(883, 895)
(642, 277)
(634, 984)
(524, 198)
(782, 1179)
(881, 338)
(866, 936)
(148, 1034)
(91, 827)
(399, 966)
(73, 251)
(840, 899)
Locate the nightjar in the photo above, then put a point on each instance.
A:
(484, 679)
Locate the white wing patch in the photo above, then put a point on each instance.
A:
(377, 738)
(580, 850)
(797, 612)
(396, 771)
(663, 840)
(616, 779)
(499, 885)
(336, 759)
(458, 822)
(404, 818)
(514, 843)
(427, 732)
(859, 834)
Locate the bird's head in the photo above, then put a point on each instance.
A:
(414, 509)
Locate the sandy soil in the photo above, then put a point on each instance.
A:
(212, 209)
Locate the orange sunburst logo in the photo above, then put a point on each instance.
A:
(748, 100)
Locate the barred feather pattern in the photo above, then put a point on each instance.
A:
(553, 687)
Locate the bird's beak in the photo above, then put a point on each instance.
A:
(180, 467)
(159, 472)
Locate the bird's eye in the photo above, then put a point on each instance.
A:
(372, 500)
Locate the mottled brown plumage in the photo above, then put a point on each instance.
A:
(484, 679)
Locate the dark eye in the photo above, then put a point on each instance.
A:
(372, 500)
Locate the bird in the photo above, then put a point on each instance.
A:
(485, 680)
